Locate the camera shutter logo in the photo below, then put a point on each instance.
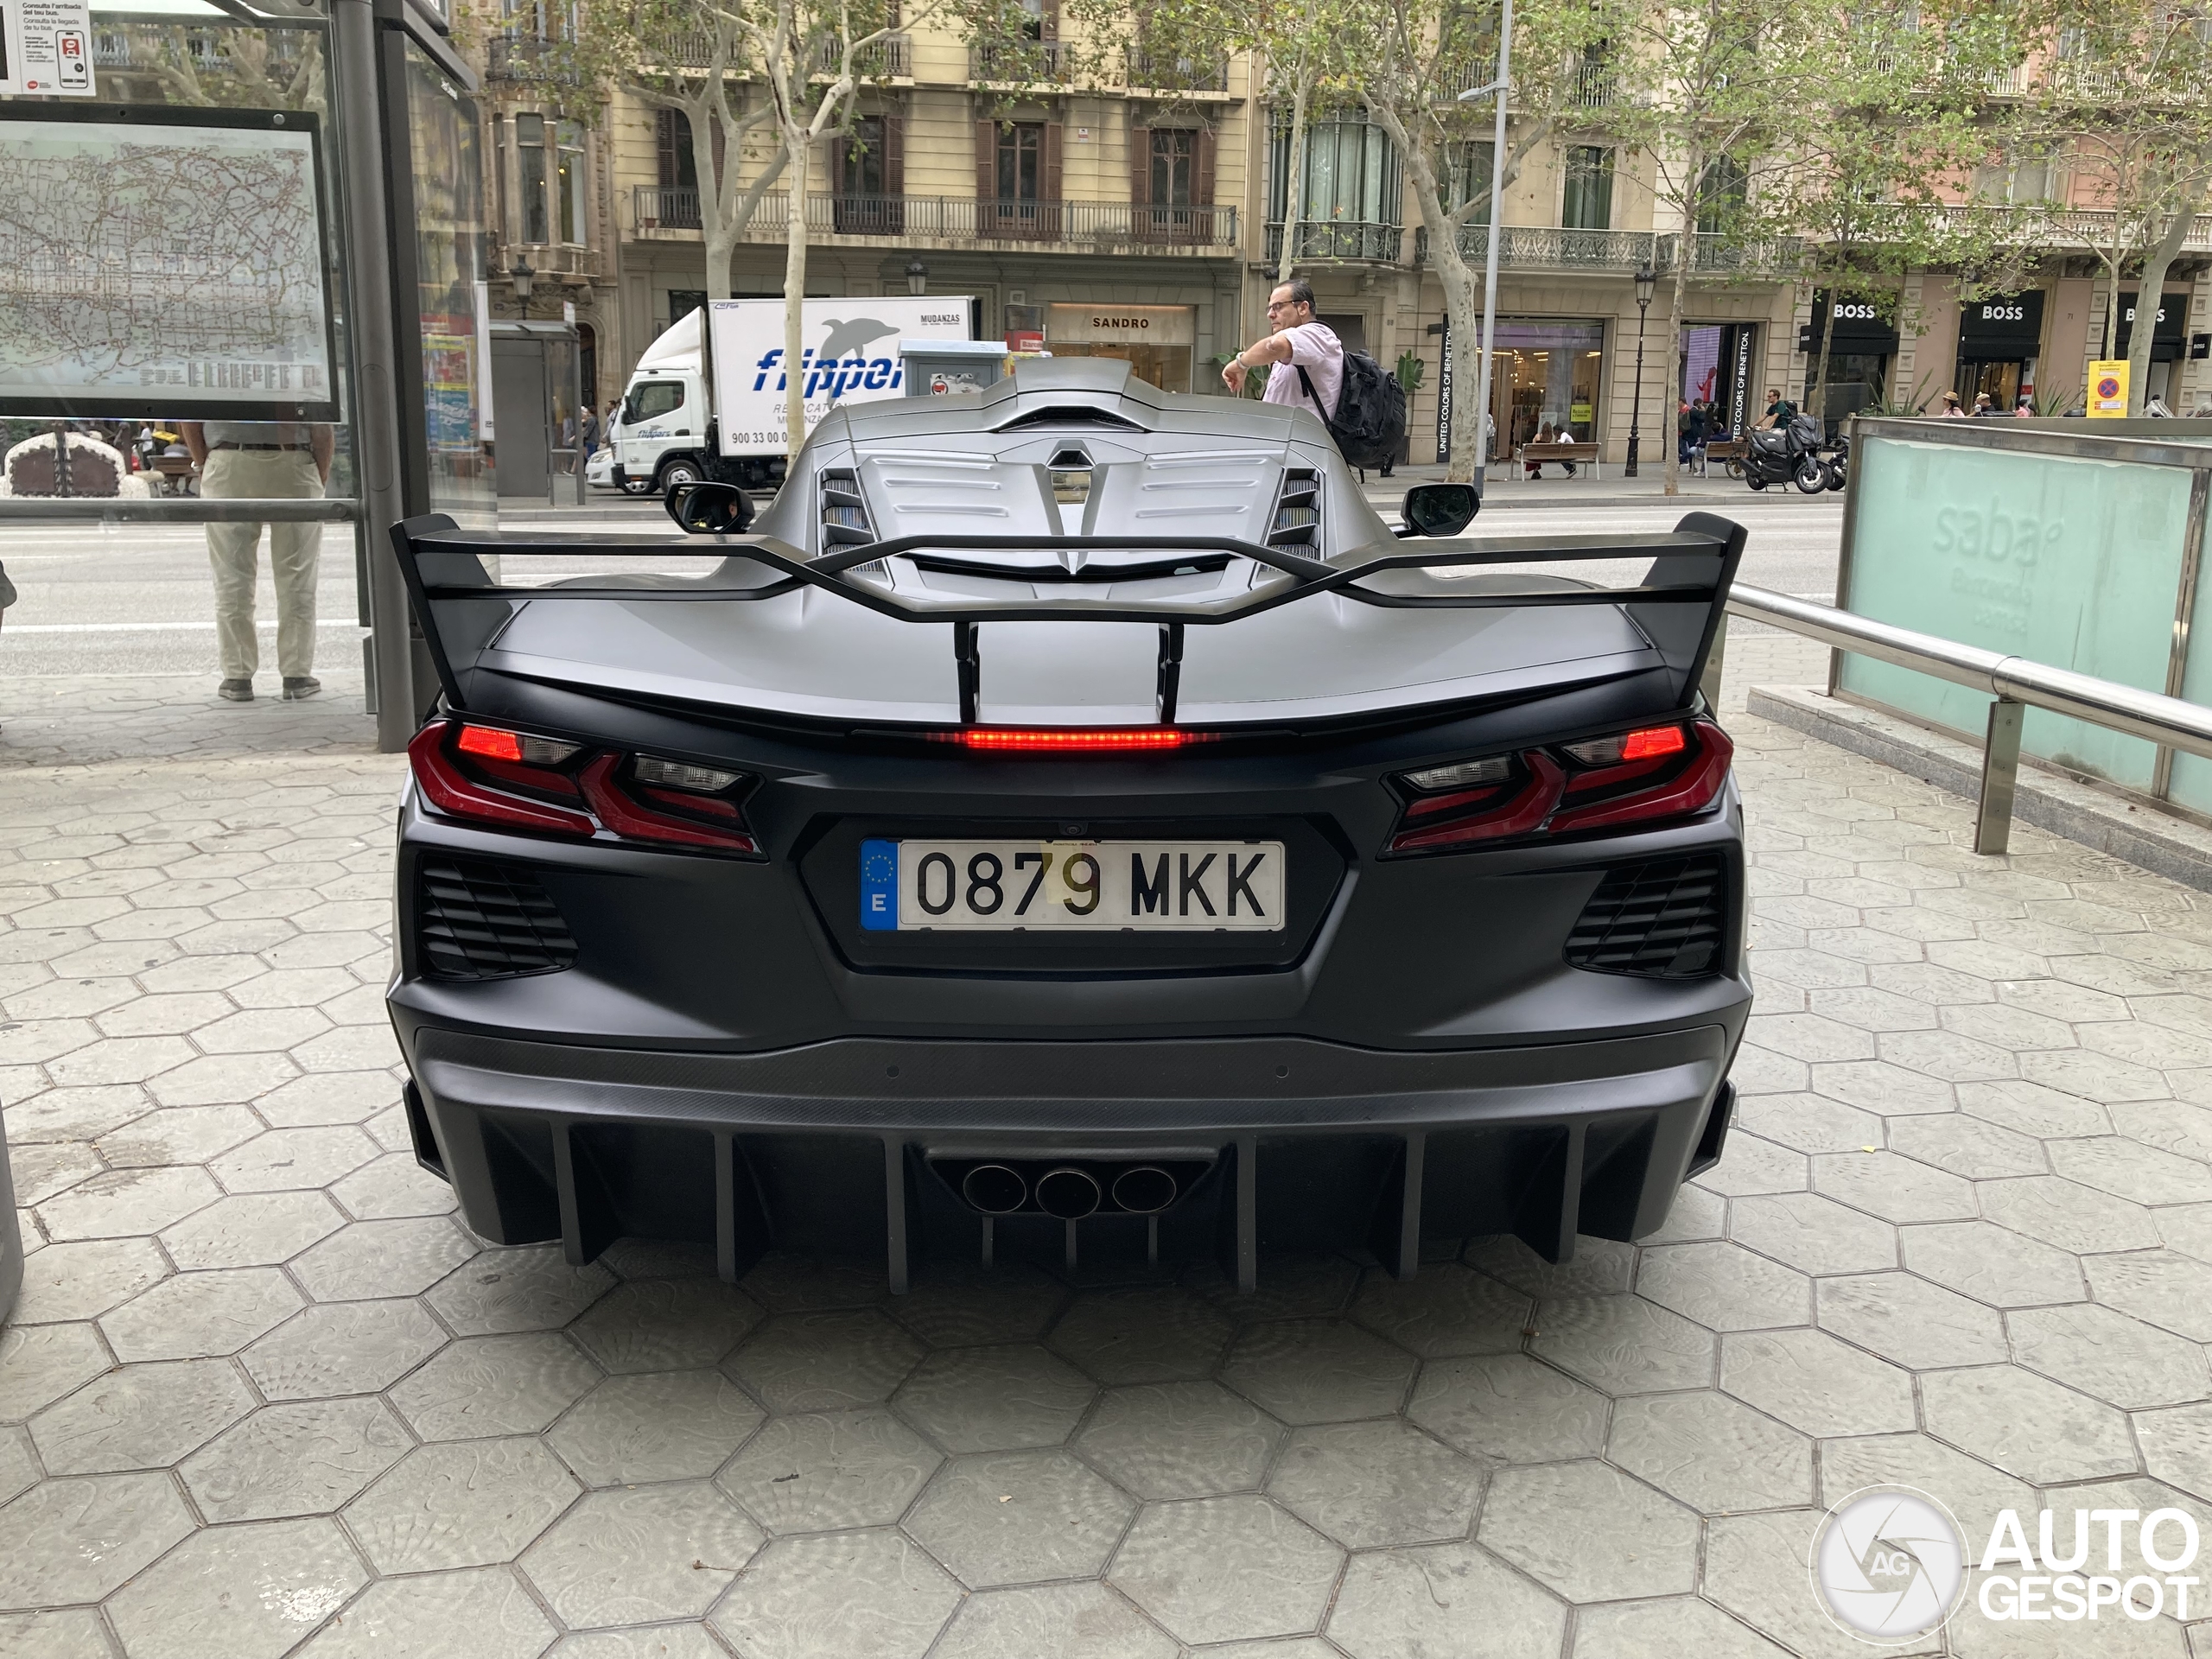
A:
(1888, 1563)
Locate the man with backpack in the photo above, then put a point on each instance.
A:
(1360, 402)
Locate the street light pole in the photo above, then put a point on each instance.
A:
(524, 280)
(1490, 253)
(1646, 280)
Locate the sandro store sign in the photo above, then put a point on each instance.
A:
(1122, 325)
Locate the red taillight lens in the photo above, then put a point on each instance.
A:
(454, 792)
(1656, 773)
(1071, 740)
(489, 742)
(637, 813)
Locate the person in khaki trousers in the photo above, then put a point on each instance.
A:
(263, 460)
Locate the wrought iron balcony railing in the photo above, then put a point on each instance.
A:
(1094, 225)
(1339, 238)
(1159, 71)
(1021, 62)
(890, 57)
(521, 58)
(1538, 247)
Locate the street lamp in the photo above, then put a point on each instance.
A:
(917, 277)
(524, 279)
(1487, 346)
(1646, 280)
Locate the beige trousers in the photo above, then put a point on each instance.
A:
(234, 550)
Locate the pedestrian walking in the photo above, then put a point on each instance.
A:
(263, 461)
(1295, 341)
(590, 428)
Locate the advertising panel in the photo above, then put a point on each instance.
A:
(850, 356)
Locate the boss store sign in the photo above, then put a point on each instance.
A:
(2167, 335)
(1861, 330)
(2007, 326)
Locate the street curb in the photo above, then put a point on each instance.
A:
(2141, 835)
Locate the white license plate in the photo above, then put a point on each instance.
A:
(1197, 887)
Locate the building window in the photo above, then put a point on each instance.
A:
(1466, 172)
(678, 162)
(568, 182)
(1588, 203)
(1352, 172)
(1175, 152)
(1020, 161)
(863, 158)
(532, 176)
(1721, 195)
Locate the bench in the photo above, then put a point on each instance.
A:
(1582, 454)
(1721, 449)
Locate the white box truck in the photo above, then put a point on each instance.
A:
(850, 355)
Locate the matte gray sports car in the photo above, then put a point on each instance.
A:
(1073, 826)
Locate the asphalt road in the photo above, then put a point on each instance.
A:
(134, 599)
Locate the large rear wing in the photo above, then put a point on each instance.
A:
(1678, 605)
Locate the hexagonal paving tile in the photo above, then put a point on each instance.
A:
(383, 1258)
(1369, 1485)
(192, 1315)
(2177, 1447)
(1817, 1383)
(1318, 1370)
(483, 1612)
(1663, 1629)
(1897, 1189)
(825, 1361)
(1813, 1234)
(1508, 1409)
(253, 1230)
(1161, 1334)
(306, 1459)
(247, 1592)
(39, 1363)
(463, 1503)
(1070, 1618)
(126, 1202)
(1904, 1318)
(812, 1473)
(73, 1633)
(666, 1325)
(953, 1305)
(1624, 1345)
(1180, 1439)
(1590, 1532)
(529, 1288)
(1213, 1569)
(995, 1399)
(648, 1553)
(140, 1417)
(1452, 1600)
(292, 1159)
(784, 1283)
(19, 1470)
(1599, 1267)
(336, 1348)
(2160, 1287)
(656, 1425)
(83, 1280)
(1981, 1260)
(1755, 1567)
(2103, 1352)
(76, 1540)
(1444, 1310)
(1712, 1451)
(482, 1386)
(1019, 1517)
(1974, 1491)
(2026, 1425)
(836, 1596)
(1724, 1286)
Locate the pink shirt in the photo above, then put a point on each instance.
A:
(1314, 345)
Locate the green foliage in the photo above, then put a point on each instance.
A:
(1411, 371)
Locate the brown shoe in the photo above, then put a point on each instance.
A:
(301, 685)
(236, 691)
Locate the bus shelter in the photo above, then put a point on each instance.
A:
(264, 212)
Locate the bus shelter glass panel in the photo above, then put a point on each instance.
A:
(451, 237)
(2065, 560)
(2191, 783)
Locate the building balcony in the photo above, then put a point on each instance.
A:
(1537, 247)
(524, 59)
(670, 212)
(1161, 72)
(2068, 228)
(1339, 240)
(1019, 62)
(890, 57)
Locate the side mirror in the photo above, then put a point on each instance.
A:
(710, 508)
(1439, 509)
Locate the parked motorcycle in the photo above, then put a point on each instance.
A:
(1786, 454)
(1838, 461)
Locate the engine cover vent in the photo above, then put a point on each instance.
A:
(1664, 920)
(477, 919)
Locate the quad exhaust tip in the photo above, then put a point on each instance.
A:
(997, 1190)
(1145, 1190)
(1068, 1193)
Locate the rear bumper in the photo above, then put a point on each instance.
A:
(836, 1146)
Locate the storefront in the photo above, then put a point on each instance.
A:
(1155, 340)
(2169, 339)
(1544, 380)
(1998, 342)
(1719, 361)
(1863, 340)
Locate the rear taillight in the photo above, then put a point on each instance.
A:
(1636, 777)
(486, 774)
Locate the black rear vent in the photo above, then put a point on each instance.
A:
(1665, 920)
(844, 510)
(1298, 510)
(482, 920)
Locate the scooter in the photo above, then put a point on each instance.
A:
(1790, 453)
(1837, 462)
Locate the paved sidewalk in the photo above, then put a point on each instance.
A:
(265, 1396)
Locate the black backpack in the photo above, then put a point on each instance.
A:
(1370, 423)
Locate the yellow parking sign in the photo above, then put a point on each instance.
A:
(2109, 391)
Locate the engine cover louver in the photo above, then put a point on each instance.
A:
(477, 919)
(1663, 920)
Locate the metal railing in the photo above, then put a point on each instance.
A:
(1089, 223)
(1340, 238)
(1022, 61)
(2072, 227)
(2016, 684)
(1550, 248)
(888, 59)
(520, 58)
(1149, 71)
